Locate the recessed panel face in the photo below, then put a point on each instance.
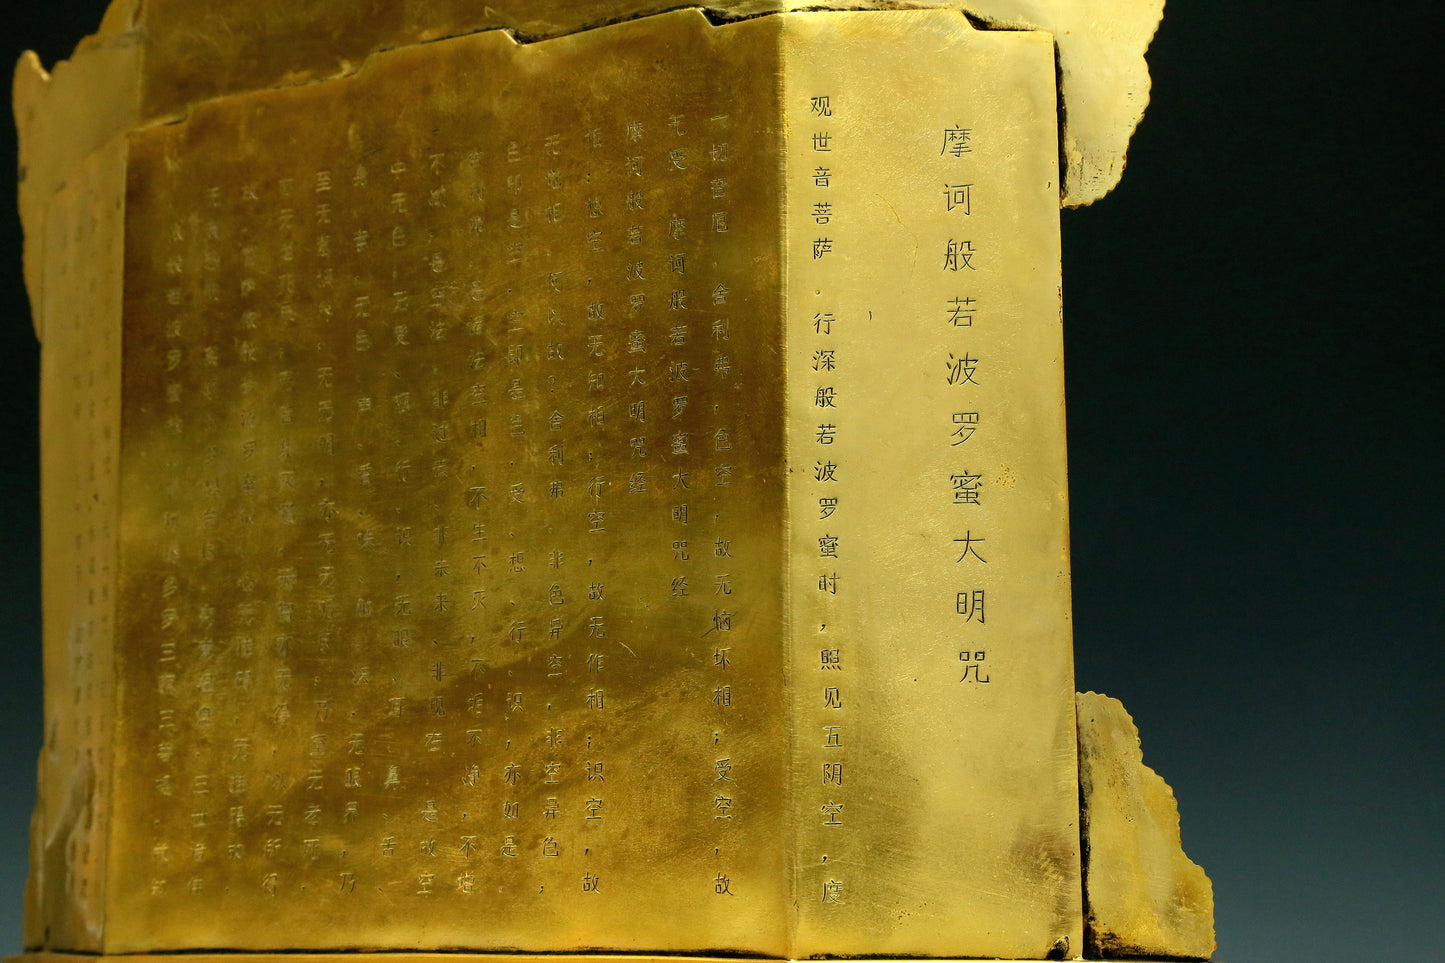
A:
(450, 598)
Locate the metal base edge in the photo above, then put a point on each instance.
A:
(428, 956)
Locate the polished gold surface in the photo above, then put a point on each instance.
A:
(927, 491)
(598, 494)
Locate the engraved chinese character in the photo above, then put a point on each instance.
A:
(956, 141)
(970, 605)
(968, 542)
(961, 370)
(957, 197)
(965, 488)
(961, 312)
(972, 667)
(966, 422)
(958, 256)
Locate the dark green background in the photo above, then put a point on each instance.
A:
(1254, 357)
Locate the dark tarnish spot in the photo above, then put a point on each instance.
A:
(1060, 949)
(1108, 946)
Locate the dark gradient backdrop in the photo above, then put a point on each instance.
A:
(1255, 429)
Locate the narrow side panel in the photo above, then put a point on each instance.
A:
(452, 489)
(63, 117)
(80, 313)
(935, 787)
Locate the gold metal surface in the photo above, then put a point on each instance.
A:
(80, 445)
(393, 957)
(932, 684)
(239, 47)
(452, 492)
(198, 49)
(604, 493)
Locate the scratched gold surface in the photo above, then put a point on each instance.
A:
(80, 313)
(198, 51)
(452, 488)
(469, 586)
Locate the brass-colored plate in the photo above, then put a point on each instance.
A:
(242, 46)
(408, 957)
(80, 416)
(468, 548)
(452, 489)
(936, 796)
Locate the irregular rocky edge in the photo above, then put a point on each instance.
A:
(1143, 897)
